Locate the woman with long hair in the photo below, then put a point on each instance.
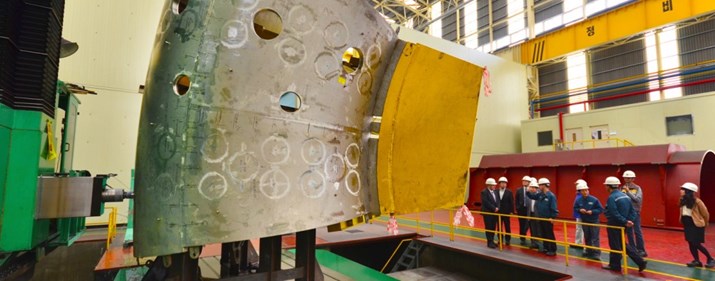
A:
(694, 216)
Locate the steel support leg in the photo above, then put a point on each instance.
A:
(305, 254)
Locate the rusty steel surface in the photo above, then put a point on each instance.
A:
(218, 158)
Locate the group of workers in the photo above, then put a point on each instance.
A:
(623, 206)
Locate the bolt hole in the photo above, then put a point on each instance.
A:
(352, 60)
(267, 24)
(178, 6)
(182, 84)
(290, 102)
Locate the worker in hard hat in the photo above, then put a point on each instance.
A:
(589, 208)
(619, 212)
(506, 207)
(635, 193)
(694, 216)
(490, 204)
(577, 216)
(522, 204)
(534, 227)
(546, 208)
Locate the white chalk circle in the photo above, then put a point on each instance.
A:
(313, 151)
(327, 65)
(291, 51)
(312, 183)
(352, 155)
(245, 4)
(215, 148)
(274, 184)
(364, 83)
(335, 167)
(336, 35)
(275, 150)
(243, 166)
(213, 186)
(301, 19)
(234, 34)
(352, 182)
(373, 58)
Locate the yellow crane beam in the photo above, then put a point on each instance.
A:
(632, 19)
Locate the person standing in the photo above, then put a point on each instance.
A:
(506, 207)
(490, 204)
(534, 225)
(522, 204)
(694, 216)
(635, 193)
(619, 212)
(589, 208)
(546, 208)
(577, 216)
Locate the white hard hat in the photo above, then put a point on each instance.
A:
(612, 181)
(533, 183)
(581, 186)
(579, 181)
(526, 178)
(490, 181)
(503, 179)
(629, 174)
(690, 186)
(544, 181)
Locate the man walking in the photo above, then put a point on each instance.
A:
(589, 208)
(619, 212)
(635, 193)
(546, 208)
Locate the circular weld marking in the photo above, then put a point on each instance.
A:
(301, 19)
(291, 51)
(243, 166)
(313, 151)
(246, 4)
(234, 34)
(352, 182)
(336, 35)
(374, 55)
(274, 184)
(364, 83)
(352, 155)
(335, 167)
(312, 183)
(275, 150)
(213, 185)
(327, 65)
(215, 148)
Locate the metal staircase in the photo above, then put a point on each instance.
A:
(409, 258)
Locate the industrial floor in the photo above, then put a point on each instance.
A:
(667, 249)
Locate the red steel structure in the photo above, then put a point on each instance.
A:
(660, 170)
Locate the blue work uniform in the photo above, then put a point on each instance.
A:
(619, 211)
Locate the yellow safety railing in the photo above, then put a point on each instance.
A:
(393, 253)
(585, 144)
(500, 233)
(111, 225)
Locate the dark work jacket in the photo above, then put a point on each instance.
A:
(506, 205)
(545, 204)
(619, 209)
(589, 203)
(488, 202)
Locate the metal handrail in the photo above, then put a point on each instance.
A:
(393, 254)
(500, 233)
(593, 142)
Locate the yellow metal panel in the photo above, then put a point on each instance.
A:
(629, 20)
(426, 132)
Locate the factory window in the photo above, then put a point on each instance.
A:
(435, 28)
(182, 84)
(545, 138)
(290, 102)
(267, 24)
(178, 6)
(470, 25)
(679, 125)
